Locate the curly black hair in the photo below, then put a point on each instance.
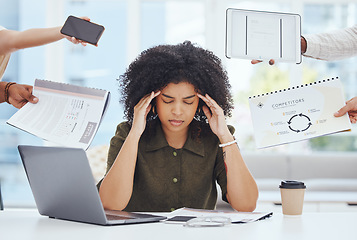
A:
(158, 66)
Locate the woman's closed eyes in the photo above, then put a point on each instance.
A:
(188, 103)
(172, 99)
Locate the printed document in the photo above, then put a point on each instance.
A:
(298, 113)
(235, 217)
(65, 114)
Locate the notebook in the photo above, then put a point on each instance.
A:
(63, 187)
(298, 113)
(263, 35)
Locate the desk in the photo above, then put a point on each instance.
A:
(28, 224)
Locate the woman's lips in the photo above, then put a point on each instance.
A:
(176, 122)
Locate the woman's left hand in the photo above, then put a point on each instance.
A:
(216, 118)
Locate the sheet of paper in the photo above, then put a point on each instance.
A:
(236, 217)
(298, 113)
(66, 114)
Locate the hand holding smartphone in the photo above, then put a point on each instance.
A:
(82, 30)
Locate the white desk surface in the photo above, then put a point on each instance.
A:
(28, 224)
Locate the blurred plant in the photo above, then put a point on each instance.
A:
(265, 79)
(334, 143)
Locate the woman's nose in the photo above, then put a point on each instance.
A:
(177, 109)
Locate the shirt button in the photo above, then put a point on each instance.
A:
(172, 209)
(175, 154)
(174, 180)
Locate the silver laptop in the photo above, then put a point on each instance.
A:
(63, 187)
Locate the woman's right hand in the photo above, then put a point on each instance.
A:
(141, 111)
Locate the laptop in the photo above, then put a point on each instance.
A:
(63, 187)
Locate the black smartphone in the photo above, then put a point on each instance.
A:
(179, 219)
(82, 29)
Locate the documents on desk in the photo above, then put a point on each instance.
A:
(298, 113)
(236, 217)
(65, 114)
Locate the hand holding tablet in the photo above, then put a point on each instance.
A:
(263, 35)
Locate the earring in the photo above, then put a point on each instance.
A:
(153, 110)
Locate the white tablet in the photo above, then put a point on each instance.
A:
(263, 35)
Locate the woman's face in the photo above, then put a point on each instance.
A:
(176, 106)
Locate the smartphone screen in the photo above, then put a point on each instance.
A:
(179, 219)
(82, 30)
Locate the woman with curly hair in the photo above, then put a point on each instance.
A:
(175, 143)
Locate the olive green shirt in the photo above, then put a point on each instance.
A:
(167, 178)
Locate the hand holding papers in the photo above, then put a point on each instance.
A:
(65, 114)
(298, 113)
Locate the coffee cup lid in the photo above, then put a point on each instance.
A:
(292, 184)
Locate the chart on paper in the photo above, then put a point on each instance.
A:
(298, 113)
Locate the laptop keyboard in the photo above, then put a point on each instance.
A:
(117, 217)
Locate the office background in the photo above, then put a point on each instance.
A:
(135, 25)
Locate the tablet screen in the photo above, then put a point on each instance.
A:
(263, 35)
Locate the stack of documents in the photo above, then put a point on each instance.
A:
(235, 217)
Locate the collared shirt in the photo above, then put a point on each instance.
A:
(4, 59)
(167, 178)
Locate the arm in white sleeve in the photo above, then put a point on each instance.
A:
(334, 45)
